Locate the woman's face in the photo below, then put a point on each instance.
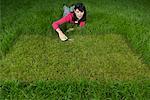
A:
(79, 14)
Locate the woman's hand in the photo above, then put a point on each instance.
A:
(62, 36)
(70, 29)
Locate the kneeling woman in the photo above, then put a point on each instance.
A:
(77, 16)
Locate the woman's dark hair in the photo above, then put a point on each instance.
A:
(81, 8)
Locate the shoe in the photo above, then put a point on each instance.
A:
(65, 7)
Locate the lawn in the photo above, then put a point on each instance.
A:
(107, 59)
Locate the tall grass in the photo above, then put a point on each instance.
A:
(82, 90)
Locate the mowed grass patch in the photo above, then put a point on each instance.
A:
(87, 56)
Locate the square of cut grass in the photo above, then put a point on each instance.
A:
(93, 57)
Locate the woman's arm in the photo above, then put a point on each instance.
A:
(82, 24)
(56, 24)
(64, 19)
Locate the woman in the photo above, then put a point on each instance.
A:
(77, 16)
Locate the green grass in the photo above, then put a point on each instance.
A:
(81, 90)
(89, 56)
(107, 59)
